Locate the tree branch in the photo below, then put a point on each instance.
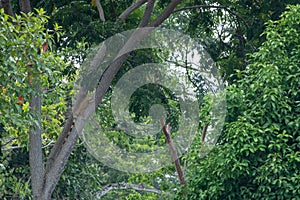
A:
(147, 13)
(54, 171)
(9, 140)
(185, 66)
(132, 8)
(57, 146)
(167, 131)
(100, 10)
(203, 135)
(167, 12)
(12, 148)
(67, 139)
(66, 142)
(62, 149)
(49, 144)
(109, 73)
(120, 186)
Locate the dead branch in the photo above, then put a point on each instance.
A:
(167, 131)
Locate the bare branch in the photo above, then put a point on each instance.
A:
(147, 13)
(66, 142)
(109, 73)
(67, 139)
(12, 148)
(122, 186)
(167, 131)
(20, 147)
(132, 8)
(167, 12)
(9, 140)
(198, 6)
(100, 10)
(58, 144)
(49, 144)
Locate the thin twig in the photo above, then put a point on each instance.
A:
(182, 65)
(47, 145)
(12, 148)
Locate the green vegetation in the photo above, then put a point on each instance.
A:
(256, 46)
(258, 154)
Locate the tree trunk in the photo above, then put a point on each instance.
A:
(25, 6)
(35, 148)
(7, 7)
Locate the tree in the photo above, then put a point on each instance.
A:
(27, 68)
(44, 180)
(117, 17)
(258, 154)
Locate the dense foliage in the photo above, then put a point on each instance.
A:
(258, 156)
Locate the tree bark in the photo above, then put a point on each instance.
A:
(147, 13)
(132, 8)
(165, 14)
(35, 148)
(7, 7)
(100, 10)
(167, 132)
(25, 6)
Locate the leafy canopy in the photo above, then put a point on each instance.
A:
(259, 153)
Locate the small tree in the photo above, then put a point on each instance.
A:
(29, 73)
